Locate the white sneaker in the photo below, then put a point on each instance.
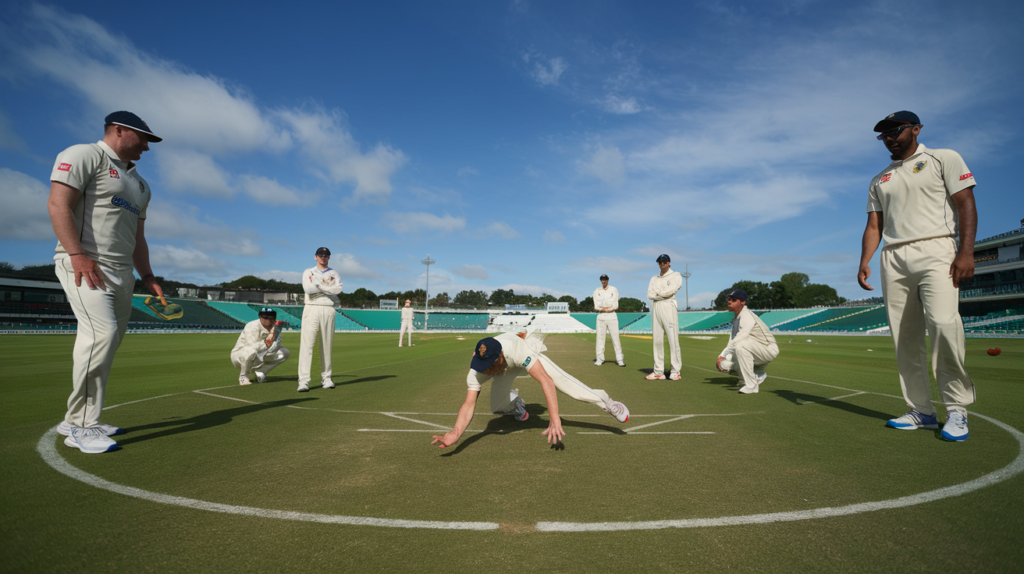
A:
(745, 390)
(327, 384)
(655, 377)
(519, 410)
(598, 362)
(90, 440)
(618, 410)
(260, 377)
(674, 377)
(761, 376)
(244, 380)
(303, 387)
(64, 428)
(955, 428)
(620, 363)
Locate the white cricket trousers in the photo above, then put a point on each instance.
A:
(608, 323)
(248, 360)
(665, 319)
(503, 396)
(919, 295)
(316, 319)
(102, 321)
(751, 358)
(406, 328)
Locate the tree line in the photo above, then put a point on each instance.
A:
(791, 291)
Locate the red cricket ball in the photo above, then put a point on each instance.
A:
(995, 351)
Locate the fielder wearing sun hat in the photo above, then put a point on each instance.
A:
(130, 120)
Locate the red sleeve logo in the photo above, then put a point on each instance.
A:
(114, 174)
(967, 175)
(64, 167)
(885, 178)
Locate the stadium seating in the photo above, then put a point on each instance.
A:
(195, 314)
(826, 314)
(864, 320)
(453, 321)
(642, 324)
(590, 319)
(343, 323)
(240, 312)
(375, 320)
(773, 318)
(710, 321)
(282, 314)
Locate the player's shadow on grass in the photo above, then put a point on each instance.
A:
(203, 421)
(727, 381)
(506, 424)
(801, 399)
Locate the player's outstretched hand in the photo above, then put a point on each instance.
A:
(862, 277)
(445, 441)
(554, 431)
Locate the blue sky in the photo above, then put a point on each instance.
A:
(523, 145)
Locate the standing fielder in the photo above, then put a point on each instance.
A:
(258, 348)
(751, 346)
(606, 302)
(322, 285)
(407, 316)
(97, 206)
(922, 204)
(665, 318)
(512, 355)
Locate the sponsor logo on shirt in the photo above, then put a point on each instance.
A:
(64, 167)
(919, 166)
(114, 174)
(527, 361)
(124, 204)
(967, 175)
(885, 178)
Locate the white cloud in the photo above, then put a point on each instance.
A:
(621, 105)
(465, 172)
(553, 237)
(9, 140)
(534, 290)
(502, 229)
(23, 213)
(283, 276)
(471, 272)
(268, 192)
(439, 196)
(170, 261)
(351, 267)
(606, 164)
(194, 173)
(414, 222)
(167, 220)
(547, 73)
(613, 264)
(338, 158)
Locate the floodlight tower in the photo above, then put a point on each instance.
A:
(686, 275)
(426, 313)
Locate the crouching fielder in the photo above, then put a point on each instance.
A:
(258, 348)
(751, 346)
(511, 355)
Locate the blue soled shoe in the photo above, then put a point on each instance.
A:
(955, 428)
(913, 421)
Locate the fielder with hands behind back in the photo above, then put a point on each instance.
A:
(923, 206)
(511, 355)
(751, 346)
(665, 318)
(322, 285)
(258, 348)
(606, 302)
(97, 206)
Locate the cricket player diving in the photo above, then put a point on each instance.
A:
(258, 348)
(922, 205)
(606, 302)
(97, 206)
(665, 318)
(751, 346)
(322, 285)
(512, 355)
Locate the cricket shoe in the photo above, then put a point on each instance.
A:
(327, 384)
(955, 428)
(244, 380)
(655, 377)
(914, 420)
(65, 428)
(598, 362)
(260, 377)
(303, 387)
(761, 377)
(519, 410)
(747, 390)
(90, 440)
(618, 410)
(674, 376)
(620, 363)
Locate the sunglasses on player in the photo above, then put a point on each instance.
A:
(895, 132)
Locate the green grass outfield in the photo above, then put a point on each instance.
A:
(787, 449)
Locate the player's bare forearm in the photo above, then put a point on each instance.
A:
(868, 245)
(140, 259)
(554, 431)
(963, 265)
(461, 422)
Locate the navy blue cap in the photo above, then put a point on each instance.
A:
(663, 258)
(268, 311)
(487, 351)
(323, 251)
(604, 277)
(738, 294)
(896, 120)
(130, 120)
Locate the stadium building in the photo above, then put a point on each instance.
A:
(993, 300)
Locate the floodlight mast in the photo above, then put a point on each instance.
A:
(426, 313)
(686, 275)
